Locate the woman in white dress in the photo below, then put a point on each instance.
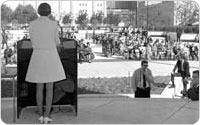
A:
(45, 66)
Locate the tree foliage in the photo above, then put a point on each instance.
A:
(18, 14)
(67, 19)
(96, 18)
(30, 12)
(187, 12)
(6, 13)
(24, 14)
(112, 19)
(52, 17)
(82, 19)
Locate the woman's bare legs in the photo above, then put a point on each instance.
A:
(49, 98)
(39, 97)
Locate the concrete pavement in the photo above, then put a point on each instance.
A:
(114, 109)
(122, 68)
(115, 66)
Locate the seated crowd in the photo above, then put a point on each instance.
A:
(136, 45)
(85, 53)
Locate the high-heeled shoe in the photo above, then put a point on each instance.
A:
(47, 120)
(41, 119)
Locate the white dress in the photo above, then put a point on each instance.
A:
(45, 65)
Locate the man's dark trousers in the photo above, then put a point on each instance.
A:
(142, 93)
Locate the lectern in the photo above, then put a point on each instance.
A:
(65, 91)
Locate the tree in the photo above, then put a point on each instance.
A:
(6, 13)
(24, 14)
(96, 19)
(131, 18)
(18, 14)
(67, 19)
(82, 19)
(30, 13)
(112, 19)
(187, 12)
(99, 17)
(52, 17)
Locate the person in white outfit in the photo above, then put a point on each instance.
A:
(45, 66)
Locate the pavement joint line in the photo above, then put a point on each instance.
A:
(175, 112)
(90, 110)
(81, 96)
(100, 96)
(84, 96)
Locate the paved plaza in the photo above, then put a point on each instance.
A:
(123, 68)
(115, 66)
(117, 109)
(114, 109)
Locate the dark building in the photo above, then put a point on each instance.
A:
(127, 9)
(144, 13)
(130, 5)
(156, 14)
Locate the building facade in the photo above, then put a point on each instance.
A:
(60, 8)
(153, 14)
(140, 13)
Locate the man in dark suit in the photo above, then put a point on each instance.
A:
(193, 92)
(182, 66)
(178, 33)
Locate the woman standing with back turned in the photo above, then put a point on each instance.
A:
(45, 66)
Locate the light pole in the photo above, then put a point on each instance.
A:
(136, 13)
(25, 13)
(147, 15)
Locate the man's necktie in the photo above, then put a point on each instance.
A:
(144, 81)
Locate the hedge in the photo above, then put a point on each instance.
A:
(186, 29)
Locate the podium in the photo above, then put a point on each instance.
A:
(65, 91)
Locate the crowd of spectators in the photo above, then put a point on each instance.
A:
(129, 43)
(135, 44)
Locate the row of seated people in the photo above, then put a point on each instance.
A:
(85, 53)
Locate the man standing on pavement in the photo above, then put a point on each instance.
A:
(183, 68)
(4, 38)
(141, 81)
(178, 33)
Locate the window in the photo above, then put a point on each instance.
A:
(80, 4)
(85, 4)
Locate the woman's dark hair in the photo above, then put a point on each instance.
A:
(44, 9)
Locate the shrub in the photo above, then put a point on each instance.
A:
(187, 29)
